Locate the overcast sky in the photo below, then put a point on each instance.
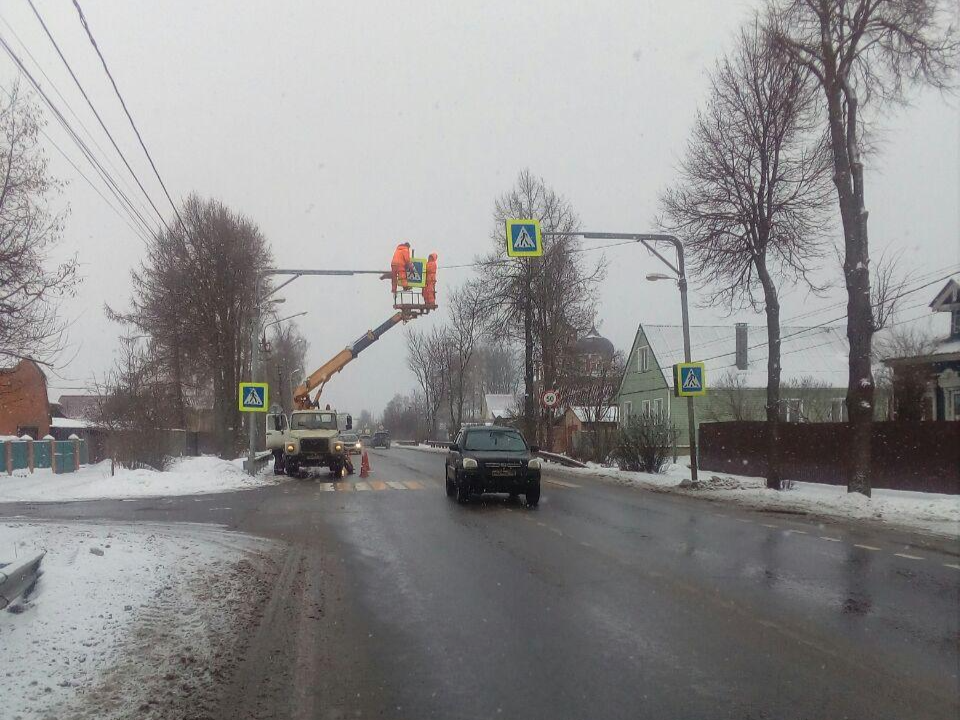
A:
(342, 128)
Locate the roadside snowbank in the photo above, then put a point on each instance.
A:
(112, 596)
(928, 512)
(185, 476)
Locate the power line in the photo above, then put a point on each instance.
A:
(90, 156)
(64, 100)
(97, 115)
(113, 82)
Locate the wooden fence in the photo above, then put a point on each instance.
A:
(923, 456)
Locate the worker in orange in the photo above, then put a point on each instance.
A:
(399, 265)
(430, 289)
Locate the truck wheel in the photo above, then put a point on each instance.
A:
(278, 462)
(451, 488)
(292, 469)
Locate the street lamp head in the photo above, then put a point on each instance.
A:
(659, 276)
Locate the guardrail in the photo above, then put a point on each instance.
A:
(259, 460)
(17, 577)
(438, 443)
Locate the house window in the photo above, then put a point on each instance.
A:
(646, 408)
(955, 322)
(956, 404)
(627, 410)
(792, 410)
(643, 360)
(838, 410)
(658, 407)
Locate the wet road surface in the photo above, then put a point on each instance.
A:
(604, 602)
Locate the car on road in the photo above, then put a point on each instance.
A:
(351, 443)
(492, 459)
(381, 438)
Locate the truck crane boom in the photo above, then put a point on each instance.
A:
(322, 375)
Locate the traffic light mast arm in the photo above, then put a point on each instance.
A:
(322, 375)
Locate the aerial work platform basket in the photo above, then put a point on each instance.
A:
(411, 301)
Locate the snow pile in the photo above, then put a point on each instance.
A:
(929, 512)
(185, 476)
(108, 594)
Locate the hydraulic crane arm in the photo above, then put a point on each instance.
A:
(320, 376)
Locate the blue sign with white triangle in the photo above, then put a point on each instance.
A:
(524, 238)
(688, 379)
(253, 397)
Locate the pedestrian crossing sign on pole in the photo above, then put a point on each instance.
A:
(253, 397)
(689, 379)
(417, 274)
(524, 238)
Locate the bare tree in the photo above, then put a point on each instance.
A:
(594, 389)
(752, 193)
(466, 312)
(427, 358)
(285, 360)
(862, 51)
(541, 302)
(908, 381)
(30, 289)
(192, 294)
(498, 366)
(731, 399)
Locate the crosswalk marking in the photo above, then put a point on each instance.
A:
(378, 485)
(343, 487)
(361, 485)
(413, 485)
(370, 486)
(561, 483)
(396, 485)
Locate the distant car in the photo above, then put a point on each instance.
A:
(351, 443)
(365, 437)
(381, 439)
(495, 460)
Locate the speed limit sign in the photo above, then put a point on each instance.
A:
(550, 398)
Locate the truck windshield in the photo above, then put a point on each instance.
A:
(494, 440)
(313, 421)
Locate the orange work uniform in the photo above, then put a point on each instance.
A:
(398, 267)
(430, 289)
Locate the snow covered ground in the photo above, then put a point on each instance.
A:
(119, 609)
(185, 476)
(928, 512)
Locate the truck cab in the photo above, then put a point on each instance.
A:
(309, 439)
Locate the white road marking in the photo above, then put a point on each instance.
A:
(744, 520)
(951, 565)
(558, 532)
(798, 532)
(361, 486)
(831, 539)
(542, 524)
(329, 487)
(768, 525)
(396, 485)
(586, 544)
(561, 483)
(909, 557)
(866, 547)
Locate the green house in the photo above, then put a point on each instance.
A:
(813, 376)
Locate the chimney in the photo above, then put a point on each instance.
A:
(742, 362)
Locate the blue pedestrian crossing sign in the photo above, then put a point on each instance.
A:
(689, 379)
(524, 238)
(417, 273)
(253, 397)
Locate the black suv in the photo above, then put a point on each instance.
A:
(492, 459)
(381, 439)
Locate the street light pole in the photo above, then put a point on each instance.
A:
(647, 240)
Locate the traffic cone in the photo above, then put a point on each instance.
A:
(365, 465)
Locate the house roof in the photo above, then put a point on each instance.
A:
(806, 352)
(948, 298)
(499, 405)
(611, 414)
(593, 343)
(72, 423)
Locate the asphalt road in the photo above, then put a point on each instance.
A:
(604, 602)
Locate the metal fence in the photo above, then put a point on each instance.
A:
(62, 456)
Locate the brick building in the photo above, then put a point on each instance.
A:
(24, 409)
